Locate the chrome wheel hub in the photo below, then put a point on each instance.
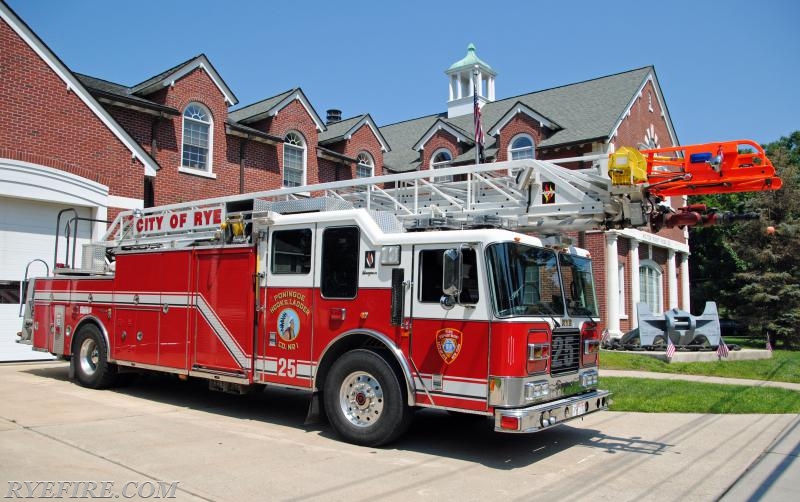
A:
(361, 399)
(89, 357)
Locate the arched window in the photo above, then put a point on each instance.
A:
(294, 160)
(197, 137)
(651, 286)
(441, 159)
(521, 147)
(365, 167)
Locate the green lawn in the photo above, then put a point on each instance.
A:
(676, 396)
(783, 367)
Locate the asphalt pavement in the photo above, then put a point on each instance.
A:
(256, 447)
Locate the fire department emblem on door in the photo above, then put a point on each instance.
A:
(448, 343)
(288, 324)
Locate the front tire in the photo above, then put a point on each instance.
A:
(90, 359)
(364, 399)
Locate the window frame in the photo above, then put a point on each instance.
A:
(208, 170)
(370, 163)
(512, 150)
(303, 147)
(305, 252)
(340, 257)
(431, 283)
(658, 277)
(441, 164)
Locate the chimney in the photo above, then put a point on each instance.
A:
(334, 116)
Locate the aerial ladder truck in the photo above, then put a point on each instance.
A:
(378, 296)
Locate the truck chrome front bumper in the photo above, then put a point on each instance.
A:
(541, 416)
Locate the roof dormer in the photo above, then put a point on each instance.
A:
(468, 76)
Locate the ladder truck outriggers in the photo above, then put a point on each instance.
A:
(378, 295)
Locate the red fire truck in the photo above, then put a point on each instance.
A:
(348, 291)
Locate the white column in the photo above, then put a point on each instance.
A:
(452, 84)
(633, 259)
(612, 286)
(686, 303)
(491, 88)
(672, 280)
(479, 84)
(471, 83)
(99, 227)
(460, 87)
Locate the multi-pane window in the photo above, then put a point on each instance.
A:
(440, 160)
(294, 160)
(196, 137)
(364, 166)
(521, 148)
(651, 287)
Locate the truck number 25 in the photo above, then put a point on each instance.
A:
(287, 367)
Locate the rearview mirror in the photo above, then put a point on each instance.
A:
(451, 272)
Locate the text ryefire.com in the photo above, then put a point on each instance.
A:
(90, 489)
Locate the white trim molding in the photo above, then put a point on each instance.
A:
(441, 125)
(74, 85)
(298, 95)
(651, 77)
(200, 62)
(125, 202)
(653, 239)
(519, 107)
(371, 124)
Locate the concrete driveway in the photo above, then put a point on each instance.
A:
(224, 447)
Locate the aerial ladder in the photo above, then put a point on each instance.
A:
(626, 189)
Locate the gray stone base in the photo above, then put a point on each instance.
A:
(705, 356)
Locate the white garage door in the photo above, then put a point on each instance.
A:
(27, 231)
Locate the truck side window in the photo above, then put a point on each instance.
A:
(291, 251)
(340, 251)
(430, 276)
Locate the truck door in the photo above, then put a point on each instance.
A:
(286, 333)
(450, 347)
(225, 309)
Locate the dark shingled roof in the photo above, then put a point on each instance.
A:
(118, 92)
(337, 130)
(585, 111)
(263, 106)
(161, 76)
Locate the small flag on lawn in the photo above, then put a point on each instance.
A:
(670, 348)
(722, 349)
(769, 346)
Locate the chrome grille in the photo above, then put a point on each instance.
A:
(566, 351)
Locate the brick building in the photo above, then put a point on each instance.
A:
(71, 140)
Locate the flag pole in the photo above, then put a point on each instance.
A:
(475, 113)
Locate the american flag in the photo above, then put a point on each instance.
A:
(670, 348)
(722, 348)
(477, 116)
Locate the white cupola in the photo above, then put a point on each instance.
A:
(466, 76)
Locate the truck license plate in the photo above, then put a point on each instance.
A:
(579, 409)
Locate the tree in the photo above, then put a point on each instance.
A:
(755, 275)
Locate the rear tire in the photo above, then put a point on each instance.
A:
(90, 359)
(364, 399)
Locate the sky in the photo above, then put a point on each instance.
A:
(728, 69)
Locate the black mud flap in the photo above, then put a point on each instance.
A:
(315, 414)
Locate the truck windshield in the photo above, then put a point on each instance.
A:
(576, 272)
(524, 280)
